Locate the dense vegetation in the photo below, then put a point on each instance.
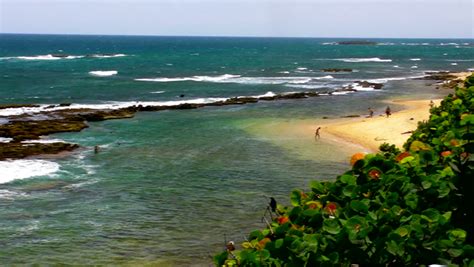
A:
(392, 208)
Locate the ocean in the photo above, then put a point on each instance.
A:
(170, 187)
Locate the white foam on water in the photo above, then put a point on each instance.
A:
(307, 86)
(7, 194)
(229, 78)
(454, 64)
(43, 141)
(301, 68)
(396, 66)
(414, 67)
(108, 56)
(20, 169)
(341, 93)
(157, 92)
(415, 59)
(47, 57)
(358, 60)
(284, 72)
(358, 87)
(267, 94)
(103, 73)
(302, 81)
(219, 78)
(5, 139)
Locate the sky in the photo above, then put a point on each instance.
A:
(278, 18)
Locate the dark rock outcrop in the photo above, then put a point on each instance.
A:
(336, 70)
(19, 150)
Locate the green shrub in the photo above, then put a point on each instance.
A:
(391, 208)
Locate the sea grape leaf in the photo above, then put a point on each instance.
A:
(295, 198)
(457, 235)
(402, 231)
(407, 159)
(331, 226)
(431, 215)
(359, 206)
(348, 179)
(418, 145)
(467, 119)
(278, 243)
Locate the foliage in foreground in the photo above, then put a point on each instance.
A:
(392, 208)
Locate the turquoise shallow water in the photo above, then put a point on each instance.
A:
(168, 187)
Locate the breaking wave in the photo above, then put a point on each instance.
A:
(22, 168)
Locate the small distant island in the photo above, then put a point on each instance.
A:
(356, 42)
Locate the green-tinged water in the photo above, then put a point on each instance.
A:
(168, 187)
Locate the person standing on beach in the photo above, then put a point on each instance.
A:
(431, 104)
(316, 134)
(371, 113)
(388, 112)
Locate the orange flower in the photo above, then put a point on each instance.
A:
(446, 153)
(331, 208)
(263, 242)
(282, 220)
(314, 205)
(454, 142)
(374, 174)
(402, 156)
(356, 157)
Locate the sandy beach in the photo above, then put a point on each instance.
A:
(396, 129)
(372, 132)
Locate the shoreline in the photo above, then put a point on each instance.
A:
(68, 118)
(370, 133)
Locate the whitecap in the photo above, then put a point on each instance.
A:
(107, 55)
(358, 60)
(20, 169)
(228, 78)
(43, 141)
(103, 73)
(47, 57)
(415, 59)
(454, 64)
(157, 92)
(284, 72)
(301, 68)
(414, 67)
(267, 94)
(5, 139)
(341, 92)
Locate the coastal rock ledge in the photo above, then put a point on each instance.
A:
(18, 133)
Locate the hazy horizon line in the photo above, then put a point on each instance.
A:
(232, 36)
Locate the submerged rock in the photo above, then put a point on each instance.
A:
(19, 150)
(336, 70)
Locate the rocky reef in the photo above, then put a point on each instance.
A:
(336, 70)
(59, 118)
